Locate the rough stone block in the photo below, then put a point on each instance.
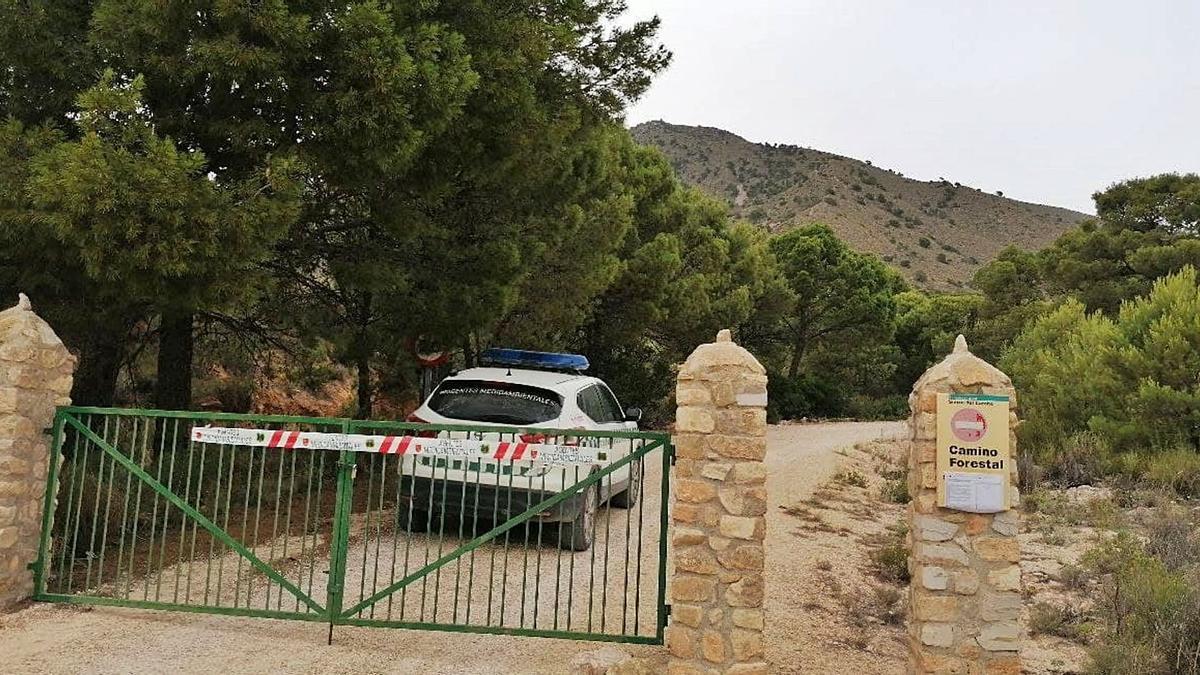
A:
(716, 470)
(994, 549)
(692, 394)
(746, 644)
(688, 536)
(941, 608)
(747, 557)
(735, 447)
(943, 554)
(747, 592)
(933, 528)
(681, 641)
(748, 473)
(1006, 579)
(743, 527)
(934, 578)
(687, 588)
(1000, 636)
(756, 668)
(694, 491)
(695, 560)
(745, 618)
(1007, 523)
(937, 634)
(749, 500)
(688, 615)
(712, 646)
(695, 419)
(1000, 607)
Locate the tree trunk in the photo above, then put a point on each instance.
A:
(176, 342)
(797, 356)
(99, 364)
(363, 350)
(363, 358)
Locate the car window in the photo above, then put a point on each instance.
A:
(610, 403)
(593, 402)
(500, 402)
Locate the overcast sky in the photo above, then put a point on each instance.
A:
(1047, 100)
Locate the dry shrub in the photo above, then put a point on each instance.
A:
(1150, 614)
(1047, 618)
(851, 477)
(1073, 577)
(1172, 537)
(880, 603)
(1177, 470)
(1081, 460)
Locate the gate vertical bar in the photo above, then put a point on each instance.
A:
(39, 565)
(341, 534)
(668, 454)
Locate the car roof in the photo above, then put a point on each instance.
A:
(556, 381)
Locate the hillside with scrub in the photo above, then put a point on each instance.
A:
(937, 233)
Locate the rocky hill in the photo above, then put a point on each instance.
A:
(937, 232)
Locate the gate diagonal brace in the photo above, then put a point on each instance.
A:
(200, 518)
(501, 529)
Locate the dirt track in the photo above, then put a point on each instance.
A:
(61, 639)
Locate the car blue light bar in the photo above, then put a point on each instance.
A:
(520, 358)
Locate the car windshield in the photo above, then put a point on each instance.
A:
(499, 402)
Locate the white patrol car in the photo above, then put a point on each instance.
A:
(530, 390)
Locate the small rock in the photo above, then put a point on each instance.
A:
(598, 661)
(1084, 494)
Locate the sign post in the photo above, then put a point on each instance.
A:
(973, 452)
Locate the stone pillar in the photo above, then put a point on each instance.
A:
(718, 513)
(965, 594)
(35, 376)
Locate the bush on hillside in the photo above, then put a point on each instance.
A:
(1129, 381)
(806, 395)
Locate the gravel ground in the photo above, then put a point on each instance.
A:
(62, 639)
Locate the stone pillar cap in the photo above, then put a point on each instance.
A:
(722, 353)
(963, 368)
(23, 302)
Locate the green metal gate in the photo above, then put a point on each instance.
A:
(556, 533)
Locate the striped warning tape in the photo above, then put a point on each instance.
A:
(497, 451)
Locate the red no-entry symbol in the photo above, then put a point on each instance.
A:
(968, 425)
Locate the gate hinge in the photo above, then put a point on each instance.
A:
(668, 609)
(48, 431)
(671, 454)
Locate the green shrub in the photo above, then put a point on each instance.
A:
(1150, 615)
(924, 242)
(1176, 470)
(851, 477)
(1130, 380)
(891, 562)
(896, 491)
(806, 395)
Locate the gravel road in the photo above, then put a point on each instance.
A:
(63, 639)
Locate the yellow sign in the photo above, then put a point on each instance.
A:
(973, 462)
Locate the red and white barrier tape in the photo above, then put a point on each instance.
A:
(496, 451)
